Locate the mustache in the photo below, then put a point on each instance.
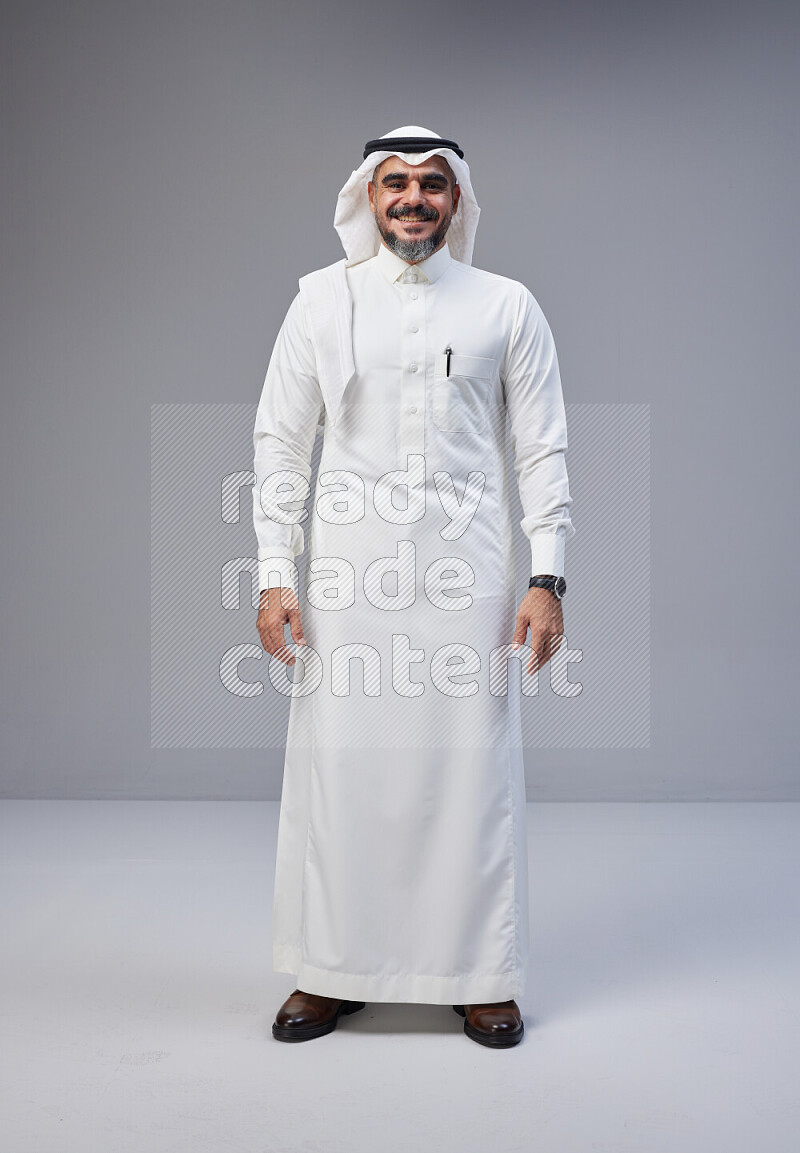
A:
(424, 212)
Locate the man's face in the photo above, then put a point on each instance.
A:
(413, 205)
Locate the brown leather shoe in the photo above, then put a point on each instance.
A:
(498, 1025)
(303, 1016)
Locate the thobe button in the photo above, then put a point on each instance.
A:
(413, 328)
(413, 295)
(413, 408)
(412, 367)
(412, 278)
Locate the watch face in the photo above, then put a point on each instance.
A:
(560, 587)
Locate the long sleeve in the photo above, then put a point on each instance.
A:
(538, 427)
(283, 438)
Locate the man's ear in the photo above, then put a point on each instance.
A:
(456, 197)
(371, 195)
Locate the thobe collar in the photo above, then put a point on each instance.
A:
(393, 268)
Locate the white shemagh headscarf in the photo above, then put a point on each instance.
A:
(355, 222)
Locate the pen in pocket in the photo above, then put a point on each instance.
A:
(447, 353)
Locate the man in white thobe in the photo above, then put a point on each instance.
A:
(401, 870)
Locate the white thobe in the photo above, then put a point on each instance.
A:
(401, 870)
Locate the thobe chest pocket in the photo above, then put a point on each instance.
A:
(461, 399)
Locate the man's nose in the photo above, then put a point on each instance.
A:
(414, 192)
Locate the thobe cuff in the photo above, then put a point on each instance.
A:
(547, 554)
(276, 569)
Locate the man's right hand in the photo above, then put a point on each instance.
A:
(279, 605)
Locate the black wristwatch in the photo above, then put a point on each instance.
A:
(557, 585)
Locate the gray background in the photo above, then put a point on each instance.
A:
(170, 169)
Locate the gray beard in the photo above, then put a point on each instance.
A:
(415, 250)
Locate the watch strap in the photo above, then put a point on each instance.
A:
(556, 585)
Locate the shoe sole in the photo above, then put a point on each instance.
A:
(491, 1040)
(309, 1032)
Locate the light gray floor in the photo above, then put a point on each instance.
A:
(137, 994)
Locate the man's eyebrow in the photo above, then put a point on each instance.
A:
(428, 176)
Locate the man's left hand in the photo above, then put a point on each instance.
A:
(540, 611)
